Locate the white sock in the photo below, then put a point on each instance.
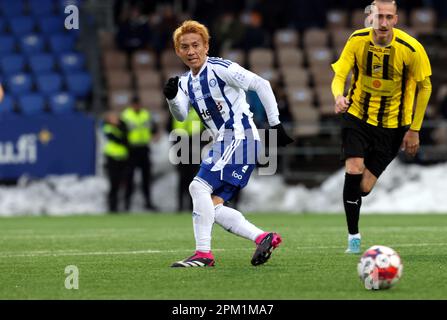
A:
(352, 236)
(234, 222)
(203, 214)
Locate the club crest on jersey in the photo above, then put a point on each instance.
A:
(212, 83)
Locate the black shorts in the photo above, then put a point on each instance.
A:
(378, 146)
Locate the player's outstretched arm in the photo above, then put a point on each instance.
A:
(265, 93)
(177, 100)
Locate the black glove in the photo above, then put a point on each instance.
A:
(171, 87)
(283, 138)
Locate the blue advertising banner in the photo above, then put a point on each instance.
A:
(47, 144)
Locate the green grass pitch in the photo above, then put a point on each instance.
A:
(128, 257)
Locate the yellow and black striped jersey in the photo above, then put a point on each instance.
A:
(384, 79)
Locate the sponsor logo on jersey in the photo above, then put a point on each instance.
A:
(236, 175)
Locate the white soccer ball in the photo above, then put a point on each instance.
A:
(380, 267)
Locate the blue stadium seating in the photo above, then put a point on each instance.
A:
(49, 83)
(60, 43)
(39, 64)
(32, 104)
(72, 61)
(11, 8)
(19, 84)
(22, 25)
(63, 3)
(79, 84)
(51, 24)
(62, 102)
(7, 104)
(2, 24)
(11, 64)
(42, 63)
(41, 7)
(32, 43)
(7, 44)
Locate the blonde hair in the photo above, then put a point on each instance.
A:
(190, 26)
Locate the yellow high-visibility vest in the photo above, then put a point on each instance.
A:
(192, 124)
(114, 149)
(138, 124)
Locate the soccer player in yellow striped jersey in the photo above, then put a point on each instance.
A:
(378, 117)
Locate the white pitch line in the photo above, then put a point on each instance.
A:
(64, 253)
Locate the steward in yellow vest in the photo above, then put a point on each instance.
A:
(116, 153)
(139, 128)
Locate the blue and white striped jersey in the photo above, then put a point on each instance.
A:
(217, 93)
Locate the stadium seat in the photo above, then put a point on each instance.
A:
(320, 56)
(295, 77)
(22, 25)
(41, 63)
(119, 99)
(11, 8)
(286, 38)
(106, 40)
(172, 72)
(2, 25)
(322, 74)
(62, 102)
(336, 19)
(118, 79)
(7, 105)
(339, 37)
(61, 4)
(269, 74)
(79, 84)
(314, 37)
(41, 7)
(113, 60)
(51, 24)
(143, 60)
(324, 94)
(326, 110)
(7, 44)
(71, 61)
(148, 79)
(151, 99)
(49, 83)
(260, 58)
(20, 83)
(234, 55)
(307, 120)
(289, 57)
(403, 20)
(300, 96)
(358, 18)
(32, 44)
(31, 104)
(11, 64)
(61, 43)
(423, 20)
(169, 60)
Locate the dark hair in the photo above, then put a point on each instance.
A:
(135, 100)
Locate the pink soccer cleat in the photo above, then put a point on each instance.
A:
(265, 244)
(199, 259)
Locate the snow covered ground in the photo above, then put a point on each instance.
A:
(401, 189)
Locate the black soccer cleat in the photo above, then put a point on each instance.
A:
(195, 261)
(265, 247)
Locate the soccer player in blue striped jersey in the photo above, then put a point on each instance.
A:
(215, 88)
